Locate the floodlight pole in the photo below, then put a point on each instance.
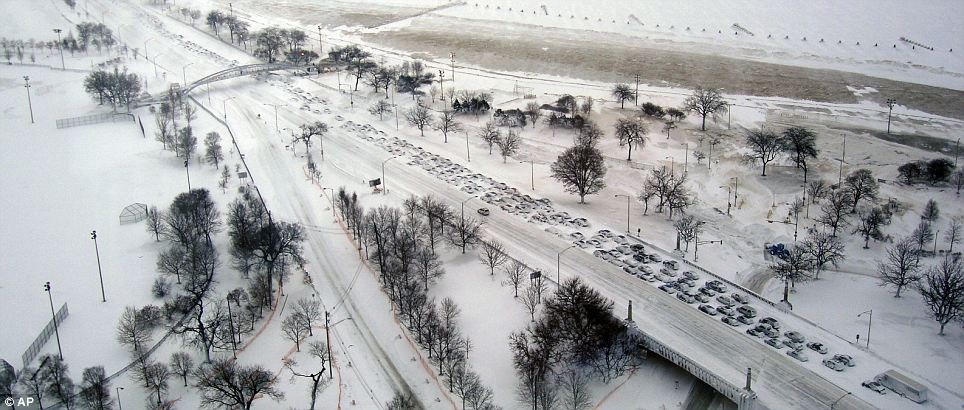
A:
(60, 46)
(53, 316)
(103, 296)
(26, 85)
(187, 170)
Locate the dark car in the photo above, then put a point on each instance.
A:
(484, 211)
(817, 347)
(709, 310)
(875, 386)
(730, 321)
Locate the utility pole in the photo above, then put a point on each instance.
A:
(103, 296)
(26, 80)
(60, 46)
(321, 47)
(636, 96)
(328, 340)
(53, 316)
(890, 110)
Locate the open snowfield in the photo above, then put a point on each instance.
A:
(61, 184)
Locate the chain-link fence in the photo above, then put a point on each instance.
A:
(93, 119)
(44, 335)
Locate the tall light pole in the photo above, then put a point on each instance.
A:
(145, 47)
(559, 264)
(672, 164)
(452, 56)
(321, 46)
(870, 313)
(103, 296)
(532, 173)
(187, 170)
(957, 151)
(154, 60)
(736, 191)
(891, 102)
(224, 107)
(838, 400)
(729, 191)
(843, 153)
(441, 85)
(463, 206)
(60, 46)
(53, 316)
(468, 156)
(234, 342)
(26, 85)
(627, 208)
(119, 405)
(384, 184)
(328, 341)
(686, 157)
(332, 199)
(184, 74)
(275, 115)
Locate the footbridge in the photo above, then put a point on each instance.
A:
(228, 73)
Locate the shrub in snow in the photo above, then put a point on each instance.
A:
(151, 315)
(161, 288)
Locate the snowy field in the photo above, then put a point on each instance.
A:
(61, 184)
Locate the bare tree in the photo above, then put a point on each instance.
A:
(922, 235)
(833, 212)
(174, 262)
(900, 269)
(869, 221)
(533, 111)
(824, 249)
(688, 227)
(213, 152)
(623, 93)
(380, 108)
(294, 329)
(514, 273)
(156, 376)
(307, 131)
(589, 134)
(490, 134)
(574, 383)
(95, 389)
(229, 384)
(531, 298)
(942, 288)
(764, 146)
(631, 132)
(319, 351)
(155, 223)
(182, 365)
(795, 268)
(465, 232)
(492, 254)
(586, 106)
(706, 102)
(801, 145)
(581, 170)
(446, 123)
(953, 234)
(428, 265)
(861, 185)
(931, 211)
(818, 189)
(419, 117)
(310, 311)
(132, 331)
(57, 381)
(509, 144)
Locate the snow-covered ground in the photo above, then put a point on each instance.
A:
(63, 183)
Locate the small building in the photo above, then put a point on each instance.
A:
(903, 385)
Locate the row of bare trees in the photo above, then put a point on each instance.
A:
(403, 243)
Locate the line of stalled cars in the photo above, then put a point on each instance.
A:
(711, 297)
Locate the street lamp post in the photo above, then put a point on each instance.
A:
(119, 405)
(672, 164)
(736, 191)
(60, 46)
(187, 170)
(559, 264)
(275, 115)
(224, 107)
(321, 46)
(843, 153)
(154, 60)
(103, 296)
(26, 85)
(452, 56)
(686, 157)
(441, 85)
(384, 184)
(234, 342)
(627, 208)
(328, 341)
(53, 316)
(729, 191)
(891, 102)
(332, 199)
(532, 173)
(463, 206)
(838, 400)
(184, 74)
(870, 313)
(468, 156)
(145, 46)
